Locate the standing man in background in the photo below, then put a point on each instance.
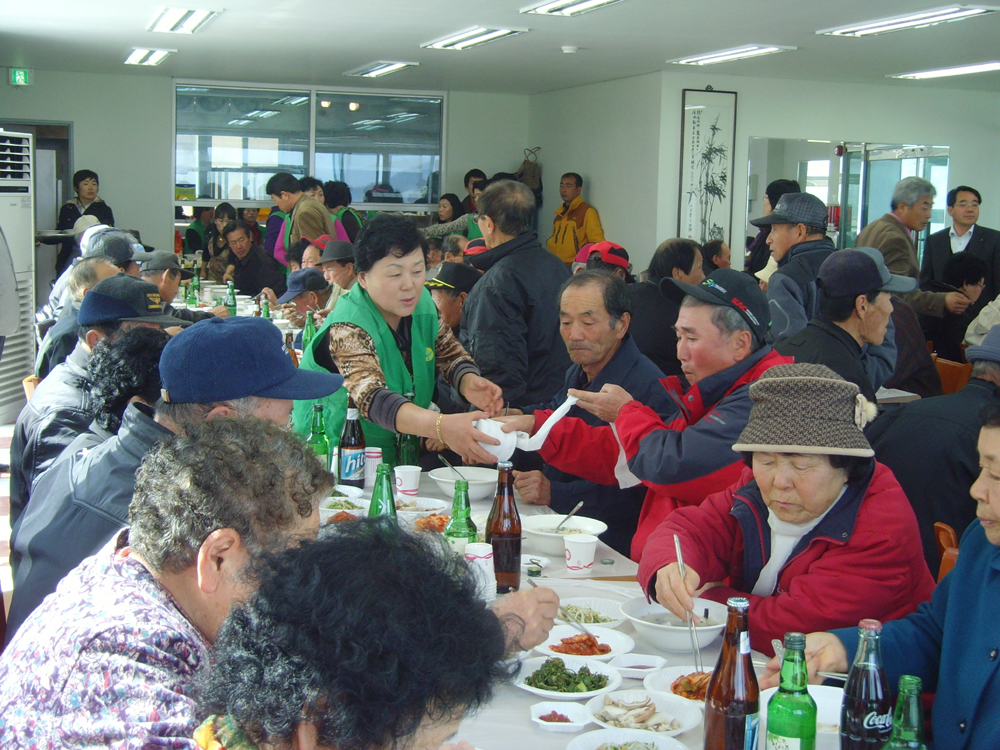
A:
(471, 178)
(576, 222)
(86, 185)
(307, 217)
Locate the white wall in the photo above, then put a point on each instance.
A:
(485, 131)
(609, 134)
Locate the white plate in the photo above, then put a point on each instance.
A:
(619, 642)
(578, 716)
(528, 560)
(406, 518)
(828, 700)
(593, 740)
(670, 705)
(661, 680)
(529, 666)
(628, 665)
(607, 607)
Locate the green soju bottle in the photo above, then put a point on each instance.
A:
(791, 713)
(383, 503)
(308, 330)
(265, 309)
(318, 441)
(407, 446)
(460, 529)
(230, 300)
(191, 298)
(908, 723)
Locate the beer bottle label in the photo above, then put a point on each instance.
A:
(750, 729)
(352, 413)
(744, 642)
(352, 464)
(777, 742)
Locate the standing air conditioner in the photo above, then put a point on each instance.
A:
(17, 241)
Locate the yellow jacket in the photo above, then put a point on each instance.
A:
(574, 226)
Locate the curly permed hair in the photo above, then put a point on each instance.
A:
(122, 368)
(367, 633)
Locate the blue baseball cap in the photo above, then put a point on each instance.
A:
(302, 281)
(221, 359)
(124, 297)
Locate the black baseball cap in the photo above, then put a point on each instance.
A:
(796, 208)
(456, 277)
(302, 281)
(124, 297)
(337, 250)
(729, 288)
(859, 270)
(164, 260)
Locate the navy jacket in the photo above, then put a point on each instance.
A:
(79, 504)
(792, 294)
(618, 508)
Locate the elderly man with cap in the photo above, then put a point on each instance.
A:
(60, 409)
(854, 310)
(813, 532)
(930, 445)
(337, 263)
(253, 270)
(308, 293)
(216, 368)
(721, 343)
(163, 269)
(450, 288)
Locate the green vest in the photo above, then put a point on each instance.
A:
(473, 232)
(339, 215)
(356, 307)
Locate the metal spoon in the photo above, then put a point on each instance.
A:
(447, 463)
(568, 516)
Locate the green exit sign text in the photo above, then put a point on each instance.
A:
(22, 77)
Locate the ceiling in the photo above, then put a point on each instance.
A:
(314, 41)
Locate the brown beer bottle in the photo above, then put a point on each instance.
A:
(503, 532)
(732, 703)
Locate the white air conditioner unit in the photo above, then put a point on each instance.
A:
(17, 238)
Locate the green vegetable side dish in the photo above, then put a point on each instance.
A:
(555, 676)
(585, 615)
(337, 503)
(628, 746)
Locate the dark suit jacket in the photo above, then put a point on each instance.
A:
(985, 244)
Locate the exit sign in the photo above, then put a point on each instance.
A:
(22, 77)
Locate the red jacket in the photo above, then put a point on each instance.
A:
(864, 559)
(681, 462)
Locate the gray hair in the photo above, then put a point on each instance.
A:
(725, 318)
(910, 190)
(986, 369)
(84, 275)
(244, 474)
(613, 291)
(185, 415)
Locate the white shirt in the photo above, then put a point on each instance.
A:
(784, 537)
(958, 244)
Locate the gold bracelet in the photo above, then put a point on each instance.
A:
(437, 427)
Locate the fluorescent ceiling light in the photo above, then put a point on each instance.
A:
(292, 101)
(961, 70)
(182, 20)
(262, 114)
(379, 69)
(472, 38)
(568, 7)
(728, 55)
(910, 21)
(240, 122)
(146, 56)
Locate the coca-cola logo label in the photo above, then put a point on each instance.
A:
(878, 721)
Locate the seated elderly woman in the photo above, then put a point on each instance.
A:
(319, 659)
(815, 533)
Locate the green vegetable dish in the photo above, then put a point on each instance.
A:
(627, 746)
(336, 503)
(586, 615)
(553, 675)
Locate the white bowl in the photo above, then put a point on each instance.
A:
(670, 705)
(828, 700)
(352, 493)
(673, 634)
(637, 666)
(281, 323)
(406, 518)
(593, 740)
(482, 481)
(529, 666)
(606, 607)
(619, 642)
(577, 713)
(538, 529)
(661, 680)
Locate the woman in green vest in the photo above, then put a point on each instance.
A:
(384, 336)
(338, 200)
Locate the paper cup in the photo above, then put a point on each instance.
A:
(373, 457)
(407, 480)
(580, 549)
(480, 558)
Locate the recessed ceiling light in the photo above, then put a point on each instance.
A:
(354, 106)
(961, 70)
(379, 69)
(291, 101)
(728, 55)
(910, 21)
(568, 7)
(182, 20)
(146, 56)
(472, 38)
(325, 103)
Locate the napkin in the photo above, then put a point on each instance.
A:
(511, 440)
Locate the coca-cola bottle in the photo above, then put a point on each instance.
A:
(732, 702)
(866, 714)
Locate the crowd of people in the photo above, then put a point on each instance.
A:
(164, 505)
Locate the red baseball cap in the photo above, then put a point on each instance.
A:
(611, 253)
(585, 250)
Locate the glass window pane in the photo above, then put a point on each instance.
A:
(386, 147)
(230, 141)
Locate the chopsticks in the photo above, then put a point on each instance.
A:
(779, 652)
(565, 615)
(690, 615)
